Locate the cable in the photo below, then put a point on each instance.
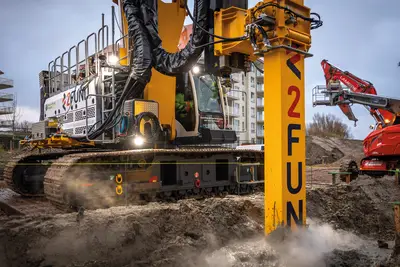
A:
(195, 23)
(264, 35)
(253, 39)
(116, 123)
(116, 20)
(260, 70)
(315, 23)
(107, 122)
(211, 43)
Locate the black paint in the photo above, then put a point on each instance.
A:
(292, 139)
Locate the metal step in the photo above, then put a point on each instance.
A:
(322, 103)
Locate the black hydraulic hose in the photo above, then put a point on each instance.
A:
(140, 73)
(142, 55)
(173, 64)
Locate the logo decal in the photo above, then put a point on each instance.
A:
(75, 96)
(50, 106)
(66, 100)
(291, 63)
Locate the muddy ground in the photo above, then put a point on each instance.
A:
(332, 150)
(345, 223)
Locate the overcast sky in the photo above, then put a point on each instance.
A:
(361, 36)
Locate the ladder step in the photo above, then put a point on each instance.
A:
(322, 103)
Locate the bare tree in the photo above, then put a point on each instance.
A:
(23, 126)
(328, 125)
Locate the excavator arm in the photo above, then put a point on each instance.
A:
(344, 99)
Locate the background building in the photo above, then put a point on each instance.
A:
(9, 137)
(242, 101)
(6, 103)
(247, 106)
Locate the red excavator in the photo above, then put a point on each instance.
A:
(382, 145)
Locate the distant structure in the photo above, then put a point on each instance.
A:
(7, 104)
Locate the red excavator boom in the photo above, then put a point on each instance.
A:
(355, 84)
(382, 145)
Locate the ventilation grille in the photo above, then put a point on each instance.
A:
(68, 118)
(91, 112)
(81, 114)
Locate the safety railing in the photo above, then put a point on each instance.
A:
(320, 96)
(81, 64)
(71, 68)
(118, 45)
(4, 97)
(260, 102)
(233, 95)
(88, 130)
(260, 117)
(6, 110)
(6, 124)
(234, 112)
(6, 83)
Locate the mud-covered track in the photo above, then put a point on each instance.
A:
(18, 169)
(59, 174)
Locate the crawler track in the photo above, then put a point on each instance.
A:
(14, 171)
(17, 171)
(94, 168)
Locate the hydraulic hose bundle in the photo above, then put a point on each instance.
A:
(142, 17)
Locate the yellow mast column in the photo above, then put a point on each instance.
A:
(284, 138)
(287, 24)
(284, 120)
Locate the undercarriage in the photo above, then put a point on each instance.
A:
(95, 179)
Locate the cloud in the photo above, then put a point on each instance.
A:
(27, 114)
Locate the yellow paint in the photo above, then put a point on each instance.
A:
(231, 23)
(118, 178)
(124, 23)
(56, 141)
(118, 190)
(277, 80)
(123, 59)
(285, 195)
(161, 87)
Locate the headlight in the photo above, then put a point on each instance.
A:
(113, 60)
(138, 140)
(196, 70)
